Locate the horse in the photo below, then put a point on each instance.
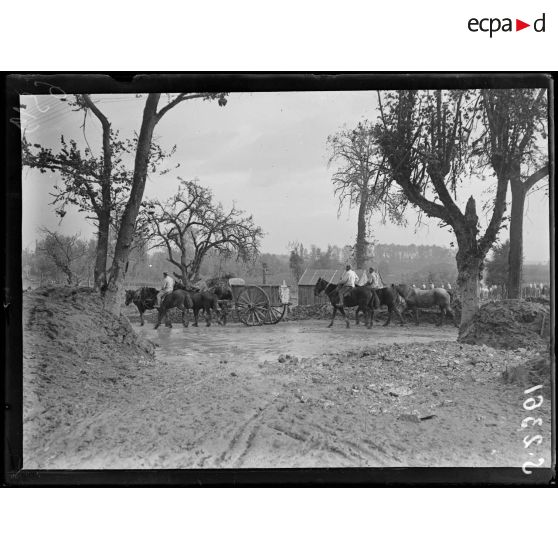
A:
(144, 298)
(225, 297)
(421, 298)
(177, 299)
(387, 297)
(205, 301)
(362, 297)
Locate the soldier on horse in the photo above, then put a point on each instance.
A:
(166, 288)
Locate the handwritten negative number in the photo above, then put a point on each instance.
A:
(536, 422)
(531, 464)
(530, 403)
(528, 441)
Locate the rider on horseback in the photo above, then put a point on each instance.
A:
(374, 279)
(166, 288)
(348, 281)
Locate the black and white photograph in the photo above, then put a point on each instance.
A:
(287, 277)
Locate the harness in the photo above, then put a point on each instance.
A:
(145, 299)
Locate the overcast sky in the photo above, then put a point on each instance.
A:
(264, 151)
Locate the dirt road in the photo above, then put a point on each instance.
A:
(249, 346)
(224, 397)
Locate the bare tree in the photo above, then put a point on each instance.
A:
(361, 180)
(64, 252)
(426, 138)
(151, 117)
(190, 225)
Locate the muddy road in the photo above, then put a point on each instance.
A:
(296, 394)
(252, 345)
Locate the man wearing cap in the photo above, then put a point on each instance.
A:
(166, 287)
(348, 281)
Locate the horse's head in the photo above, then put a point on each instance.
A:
(319, 286)
(401, 289)
(222, 292)
(129, 297)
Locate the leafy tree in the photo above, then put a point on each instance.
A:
(327, 259)
(426, 138)
(497, 267)
(98, 186)
(360, 180)
(516, 120)
(190, 225)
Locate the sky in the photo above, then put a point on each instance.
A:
(265, 152)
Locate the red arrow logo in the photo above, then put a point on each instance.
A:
(519, 25)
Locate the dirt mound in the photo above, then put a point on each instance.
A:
(69, 324)
(509, 324)
(75, 355)
(535, 370)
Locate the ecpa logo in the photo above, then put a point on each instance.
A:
(492, 25)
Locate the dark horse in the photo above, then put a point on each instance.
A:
(363, 297)
(421, 298)
(144, 298)
(177, 299)
(387, 296)
(206, 301)
(224, 295)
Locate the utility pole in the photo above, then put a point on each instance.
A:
(264, 272)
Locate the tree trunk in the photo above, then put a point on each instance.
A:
(100, 273)
(516, 239)
(103, 211)
(114, 294)
(361, 244)
(469, 266)
(196, 264)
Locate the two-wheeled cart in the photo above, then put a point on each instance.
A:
(260, 305)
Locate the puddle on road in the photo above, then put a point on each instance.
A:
(301, 339)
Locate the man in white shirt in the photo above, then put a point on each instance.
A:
(374, 279)
(348, 281)
(166, 288)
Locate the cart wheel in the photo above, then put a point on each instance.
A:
(275, 314)
(252, 306)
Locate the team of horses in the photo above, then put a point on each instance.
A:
(364, 298)
(183, 298)
(367, 299)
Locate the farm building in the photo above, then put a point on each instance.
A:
(309, 278)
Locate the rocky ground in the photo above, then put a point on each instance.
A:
(96, 395)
